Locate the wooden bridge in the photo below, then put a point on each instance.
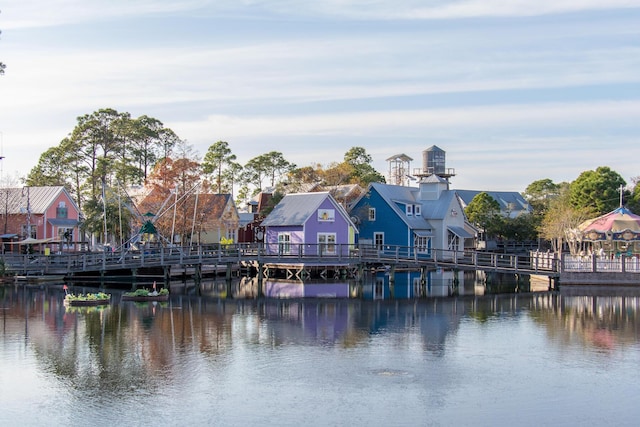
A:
(305, 261)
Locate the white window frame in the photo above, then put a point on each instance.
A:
(417, 210)
(421, 243)
(409, 210)
(453, 241)
(372, 214)
(327, 243)
(284, 243)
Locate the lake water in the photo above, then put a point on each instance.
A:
(525, 359)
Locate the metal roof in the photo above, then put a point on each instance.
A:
(295, 209)
(37, 199)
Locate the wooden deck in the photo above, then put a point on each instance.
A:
(198, 261)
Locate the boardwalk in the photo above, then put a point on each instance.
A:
(70, 264)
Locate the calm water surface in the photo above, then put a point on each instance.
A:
(509, 359)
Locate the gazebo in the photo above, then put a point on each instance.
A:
(617, 232)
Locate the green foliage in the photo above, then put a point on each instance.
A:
(560, 217)
(115, 217)
(363, 173)
(98, 296)
(104, 146)
(146, 292)
(598, 190)
(270, 165)
(633, 199)
(482, 208)
(218, 159)
(484, 212)
(521, 228)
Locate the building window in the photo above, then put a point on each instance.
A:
(421, 243)
(65, 234)
(417, 210)
(378, 240)
(31, 232)
(372, 214)
(61, 210)
(409, 210)
(284, 243)
(326, 243)
(453, 241)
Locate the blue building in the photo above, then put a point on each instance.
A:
(420, 220)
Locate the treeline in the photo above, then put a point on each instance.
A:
(558, 208)
(109, 152)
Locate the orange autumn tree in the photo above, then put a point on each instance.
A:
(169, 201)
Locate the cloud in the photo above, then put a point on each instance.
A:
(36, 13)
(407, 122)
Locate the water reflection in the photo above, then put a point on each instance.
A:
(198, 349)
(377, 285)
(147, 334)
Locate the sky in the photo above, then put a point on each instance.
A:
(512, 90)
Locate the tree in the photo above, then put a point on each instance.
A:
(270, 165)
(217, 160)
(171, 183)
(484, 212)
(598, 190)
(562, 219)
(633, 199)
(539, 192)
(363, 173)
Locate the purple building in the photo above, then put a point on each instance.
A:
(309, 224)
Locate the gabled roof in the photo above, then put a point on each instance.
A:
(431, 209)
(295, 209)
(509, 201)
(39, 199)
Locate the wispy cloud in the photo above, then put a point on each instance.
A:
(36, 13)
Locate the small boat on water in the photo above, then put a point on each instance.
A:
(142, 295)
(143, 298)
(86, 300)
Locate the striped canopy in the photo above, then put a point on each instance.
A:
(620, 224)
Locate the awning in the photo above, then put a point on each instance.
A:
(8, 236)
(460, 232)
(423, 233)
(63, 222)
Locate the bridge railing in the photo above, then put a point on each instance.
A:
(594, 263)
(291, 252)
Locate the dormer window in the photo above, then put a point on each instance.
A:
(409, 210)
(417, 211)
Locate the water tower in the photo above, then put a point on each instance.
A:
(434, 163)
(399, 166)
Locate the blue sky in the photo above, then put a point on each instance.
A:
(514, 91)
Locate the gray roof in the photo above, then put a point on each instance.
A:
(431, 209)
(295, 209)
(39, 199)
(509, 201)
